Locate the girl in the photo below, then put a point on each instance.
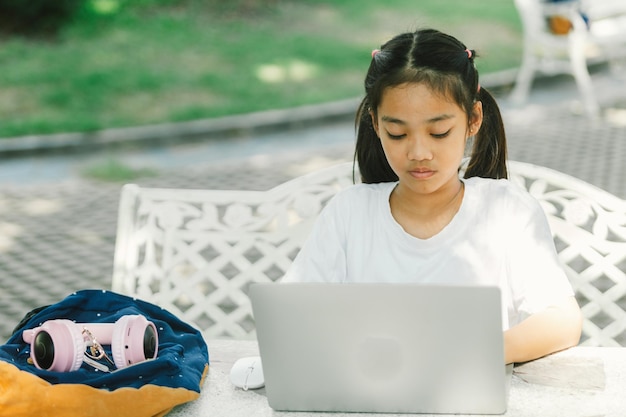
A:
(414, 219)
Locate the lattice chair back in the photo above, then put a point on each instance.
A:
(589, 228)
(195, 252)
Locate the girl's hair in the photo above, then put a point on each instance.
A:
(445, 65)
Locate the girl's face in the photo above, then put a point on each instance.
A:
(423, 135)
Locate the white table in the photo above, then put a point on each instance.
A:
(579, 382)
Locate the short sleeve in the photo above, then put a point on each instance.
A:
(322, 258)
(536, 276)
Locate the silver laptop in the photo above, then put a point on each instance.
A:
(386, 348)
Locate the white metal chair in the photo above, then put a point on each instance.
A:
(601, 38)
(195, 252)
(589, 229)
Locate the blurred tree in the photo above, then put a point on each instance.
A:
(36, 17)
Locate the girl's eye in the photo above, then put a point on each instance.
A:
(441, 135)
(395, 137)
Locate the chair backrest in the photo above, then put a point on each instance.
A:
(594, 21)
(536, 16)
(531, 15)
(589, 229)
(195, 252)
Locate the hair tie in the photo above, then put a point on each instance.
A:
(469, 54)
(375, 52)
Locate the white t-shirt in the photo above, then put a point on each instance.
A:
(499, 237)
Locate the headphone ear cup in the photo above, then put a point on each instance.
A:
(118, 347)
(127, 344)
(58, 345)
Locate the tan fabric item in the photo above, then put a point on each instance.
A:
(23, 394)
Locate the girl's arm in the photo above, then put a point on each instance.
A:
(553, 329)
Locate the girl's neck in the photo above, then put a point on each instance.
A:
(425, 215)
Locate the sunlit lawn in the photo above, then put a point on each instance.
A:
(143, 64)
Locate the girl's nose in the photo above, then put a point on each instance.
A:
(418, 149)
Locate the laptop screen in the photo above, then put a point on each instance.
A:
(394, 348)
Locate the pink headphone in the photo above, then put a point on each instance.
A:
(62, 345)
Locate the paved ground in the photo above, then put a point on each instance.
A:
(57, 229)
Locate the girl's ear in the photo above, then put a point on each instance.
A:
(374, 122)
(476, 119)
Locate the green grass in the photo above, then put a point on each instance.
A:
(113, 170)
(128, 63)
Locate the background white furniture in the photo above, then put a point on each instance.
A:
(195, 252)
(589, 229)
(601, 38)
